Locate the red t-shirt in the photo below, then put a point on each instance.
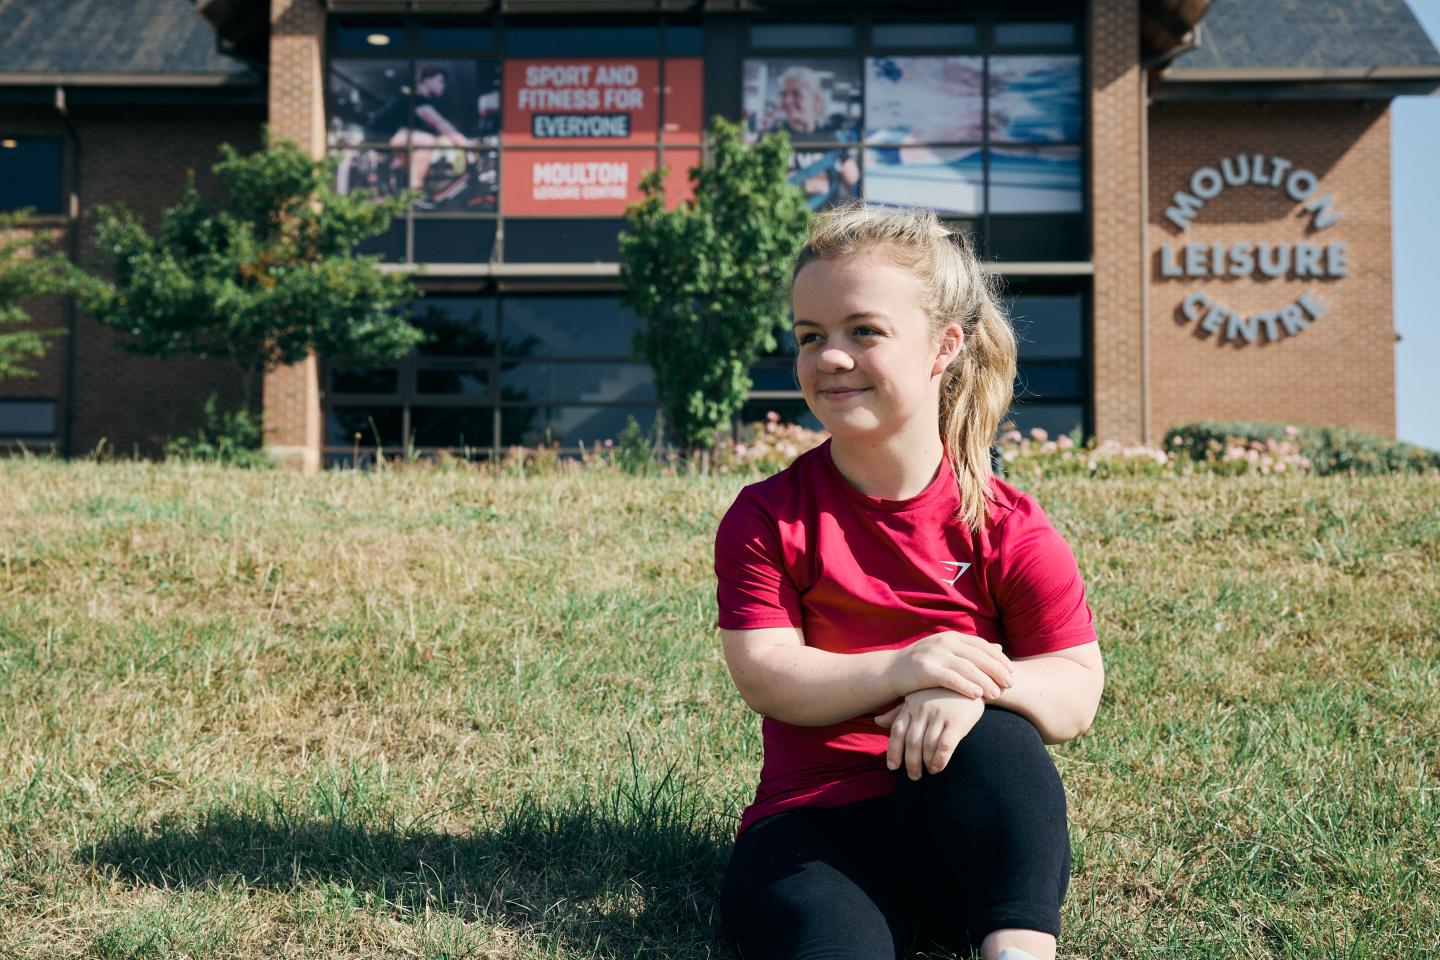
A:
(805, 549)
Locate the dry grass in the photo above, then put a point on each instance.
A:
(440, 714)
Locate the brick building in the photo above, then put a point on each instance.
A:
(1188, 201)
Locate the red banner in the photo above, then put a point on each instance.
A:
(684, 100)
(598, 102)
(586, 183)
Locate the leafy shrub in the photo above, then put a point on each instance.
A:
(1328, 449)
(765, 448)
(232, 437)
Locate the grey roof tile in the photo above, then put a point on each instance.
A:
(110, 37)
(1238, 34)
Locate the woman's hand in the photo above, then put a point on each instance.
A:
(926, 727)
(960, 662)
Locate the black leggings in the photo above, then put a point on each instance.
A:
(980, 846)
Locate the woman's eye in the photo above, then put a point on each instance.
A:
(805, 338)
(866, 332)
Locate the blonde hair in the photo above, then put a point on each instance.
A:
(976, 388)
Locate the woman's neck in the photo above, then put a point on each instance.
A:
(895, 468)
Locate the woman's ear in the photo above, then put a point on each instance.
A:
(952, 339)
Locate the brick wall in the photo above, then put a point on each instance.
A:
(1116, 183)
(138, 156)
(1340, 370)
(297, 112)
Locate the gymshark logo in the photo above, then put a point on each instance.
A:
(962, 567)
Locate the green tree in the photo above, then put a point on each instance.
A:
(28, 269)
(709, 278)
(260, 280)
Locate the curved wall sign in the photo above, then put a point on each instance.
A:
(1243, 259)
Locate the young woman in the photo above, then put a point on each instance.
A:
(912, 628)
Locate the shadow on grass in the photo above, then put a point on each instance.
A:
(636, 872)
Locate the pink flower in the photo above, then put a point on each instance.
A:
(1038, 434)
(1292, 431)
(1065, 443)
(773, 417)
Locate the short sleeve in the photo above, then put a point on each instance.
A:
(1040, 596)
(752, 588)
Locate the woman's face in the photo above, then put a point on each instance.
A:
(868, 364)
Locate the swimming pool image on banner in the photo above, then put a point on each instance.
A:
(949, 179)
(1036, 180)
(924, 99)
(1035, 99)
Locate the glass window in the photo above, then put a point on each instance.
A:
(1035, 34)
(375, 425)
(802, 35)
(582, 41)
(562, 241)
(369, 35)
(27, 418)
(685, 41)
(457, 326)
(1049, 326)
(567, 327)
(924, 35)
(352, 380)
(454, 241)
(1060, 380)
(924, 100)
(30, 174)
(1035, 99)
(457, 96)
(578, 383)
(774, 377)
(379, 171)
(949, 179)
(1036, 180)
(452, 426)
(790, 410)
(568, 426)
(456, 36)
(815, 101)
(471, 381)
(1055, 419)
(369, 102)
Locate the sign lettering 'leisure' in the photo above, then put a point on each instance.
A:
(1244, 259)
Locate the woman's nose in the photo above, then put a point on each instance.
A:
(835, 360)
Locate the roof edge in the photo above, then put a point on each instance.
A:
(21, 79)
(1419, 71)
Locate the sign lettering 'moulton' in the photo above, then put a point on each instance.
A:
(1244, 259)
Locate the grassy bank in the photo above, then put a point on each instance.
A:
(438, 714)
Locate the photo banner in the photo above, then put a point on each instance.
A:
(596, 102)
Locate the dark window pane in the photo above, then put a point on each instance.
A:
(1036, 238)
(1049, 326)
(364, 380)
(568, 425)
(773, 376)
(344, 422)
(1035, 34)
(30, 175)
(454, 241)
(687, 41)
(453, 426)
(924, 35)
(368, 102)
(563, 241)
(388, 246)
(387, 35)
(456, 36)
(567, 327)
(470, 381)
(582, 41)
(457, 326)
(1054, 418)
(802, 35)
(791, 411)
(1050, 381)
(578, 383)
(27, 418)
